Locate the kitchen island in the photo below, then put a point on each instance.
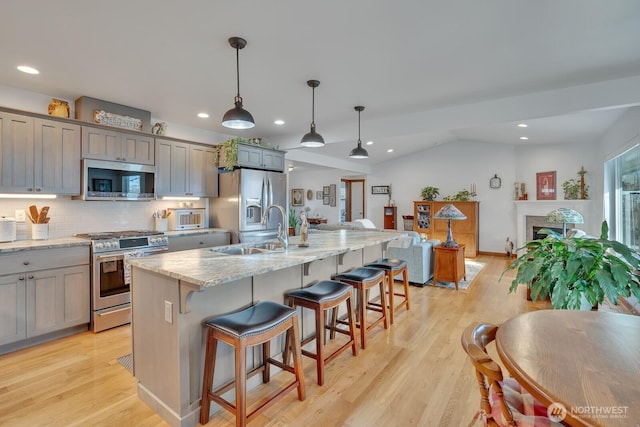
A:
(172, 294)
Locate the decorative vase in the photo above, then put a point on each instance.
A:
(292, 231)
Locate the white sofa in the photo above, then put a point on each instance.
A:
(419, 256)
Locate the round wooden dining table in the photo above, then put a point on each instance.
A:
(584, 362)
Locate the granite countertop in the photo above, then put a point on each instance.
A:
(207, 268)
(27, 245)
(62, 242)
(196, 232)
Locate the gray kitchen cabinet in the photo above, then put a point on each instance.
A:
(13, 325)
(198, 241)
(104, 144)
(57, 157)
(39, 156)
(57, 299)
(42, 291)
(260, 158)
(184, 169)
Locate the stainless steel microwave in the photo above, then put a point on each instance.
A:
(105, 180)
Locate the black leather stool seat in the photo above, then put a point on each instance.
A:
(254, 320)
(361, 274)
(324, 291)
(388, 264)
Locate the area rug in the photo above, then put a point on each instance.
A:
(127, 362)
(472, 269)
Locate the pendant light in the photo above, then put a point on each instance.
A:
(238, 117)
(312, 139)
(359, 152)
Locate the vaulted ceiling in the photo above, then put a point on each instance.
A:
(428, 72)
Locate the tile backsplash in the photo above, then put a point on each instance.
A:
(69, 217)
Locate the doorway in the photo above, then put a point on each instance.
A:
(351, 199)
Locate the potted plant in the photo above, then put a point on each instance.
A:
(460, 196)
(293, 221)
(429, 193)
(575, 270)
(571, 188)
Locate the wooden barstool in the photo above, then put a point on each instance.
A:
(255, 325)
(363, 279)
(393, 267)
(321, 297)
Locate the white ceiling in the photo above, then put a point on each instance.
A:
(428, 72)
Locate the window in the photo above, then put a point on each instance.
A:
(622, 197)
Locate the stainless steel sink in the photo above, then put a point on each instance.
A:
(236, 250)
(269, 246)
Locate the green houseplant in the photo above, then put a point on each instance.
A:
(460, 196)
(293, 221)
(429, 193)
(573, 269)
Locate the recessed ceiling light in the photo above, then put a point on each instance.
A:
(278, 122)
(522, 125)
(28, 70)
(524, 138)
(203, 115)
(390, 150)
(369, 142)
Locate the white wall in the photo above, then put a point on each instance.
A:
(455, 166)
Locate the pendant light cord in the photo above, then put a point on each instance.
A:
(313, 107)
(359, 141)
(238, 97)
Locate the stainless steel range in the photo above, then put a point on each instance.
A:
(110, 277)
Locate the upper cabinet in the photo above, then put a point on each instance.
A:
(104, 144)
(260, 158)
(39, 155)
(184, 169)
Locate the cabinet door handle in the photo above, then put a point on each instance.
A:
(30, 276)
(29, 189)
(25, 262)
(21, 278)
(123, 159)
(38, 189)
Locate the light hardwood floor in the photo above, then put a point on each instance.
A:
(413, 374)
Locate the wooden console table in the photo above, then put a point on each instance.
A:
(449, 265)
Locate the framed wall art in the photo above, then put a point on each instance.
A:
(297, 197)
(546, 185)
(379, 189)
(325, 200)
(325, 190)
(319, 195)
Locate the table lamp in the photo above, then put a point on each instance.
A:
(565, 215)
(449, 212)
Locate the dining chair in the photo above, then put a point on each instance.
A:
(503, 401)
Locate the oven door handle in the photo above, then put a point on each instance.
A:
(107, 258)
(154, 251)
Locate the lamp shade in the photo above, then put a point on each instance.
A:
(449, 212)
(238, 117)
(564, 215)
(359, 152)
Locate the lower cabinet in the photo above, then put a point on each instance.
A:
(57, 299)
(198, 241)
(41, 292)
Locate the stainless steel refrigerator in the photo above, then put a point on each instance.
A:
(242, 198)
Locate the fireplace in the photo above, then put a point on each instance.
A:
(533, 213)
(535, 223)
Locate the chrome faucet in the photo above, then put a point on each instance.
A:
(282, 235)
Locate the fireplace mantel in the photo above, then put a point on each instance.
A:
(542, 208)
